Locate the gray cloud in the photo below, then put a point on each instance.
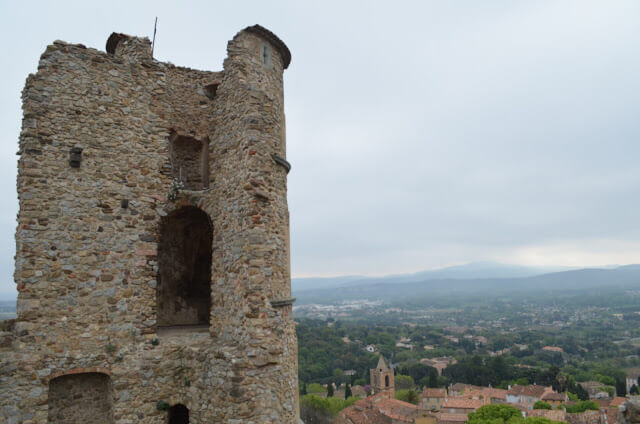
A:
(421, 133)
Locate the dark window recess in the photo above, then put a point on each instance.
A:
(75, 157)
(184, 268)
(178, 414)
(266, 55)
(190, 161)
(210, 90)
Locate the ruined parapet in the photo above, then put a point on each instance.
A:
(152, 260)
(128, 47)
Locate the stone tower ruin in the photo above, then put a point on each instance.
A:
(152, 258)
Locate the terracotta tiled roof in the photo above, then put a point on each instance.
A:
(433, 393)
(617, 401)
(554, 396)
(461, 387)
(461, 403)
(380, 408)
(451, 418)
(356, 415)
(397, 409)
(530, 390)
(485, 393)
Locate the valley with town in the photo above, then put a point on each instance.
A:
(568, 346)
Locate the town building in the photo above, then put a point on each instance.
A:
(460, 405)
(526, 395)
(432, 399)
(554, 399)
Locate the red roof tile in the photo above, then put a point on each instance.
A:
(617, 401)
(433, 393)
(379, 408)
(530, 390)
(554, 396)
(461, 403)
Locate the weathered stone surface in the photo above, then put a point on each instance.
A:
(629, 412)
(89, 269)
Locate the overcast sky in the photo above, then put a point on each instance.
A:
(422, 134)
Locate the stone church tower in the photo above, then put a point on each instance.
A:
(382, 378)
(152, 259)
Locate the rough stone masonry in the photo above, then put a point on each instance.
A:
(152, 258)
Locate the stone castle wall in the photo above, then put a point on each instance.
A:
(95, 170)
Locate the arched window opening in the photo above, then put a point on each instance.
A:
(184, 268)
(386, 381)
(81, 398)
(190, 161)
(178, 414)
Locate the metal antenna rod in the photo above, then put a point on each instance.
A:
(153, 43)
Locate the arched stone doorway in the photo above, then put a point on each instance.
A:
(81, 398)
(178, 414)
(184, 268)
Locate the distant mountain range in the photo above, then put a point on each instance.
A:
(489, 277)
(467, 271)
(460, 278)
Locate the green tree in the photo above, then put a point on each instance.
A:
(330, 389)
(582, 406)
(433, 379)
(407, 395)
(404, 382)
(541, 405)
(581, 392)
(304, 389)
(494, 414)
(540, 420)
(634, 390)
(315, 410)
(338, 376)
(315, 388)
(621, 387)
(347, 392)
(605, 379)
(503, 414)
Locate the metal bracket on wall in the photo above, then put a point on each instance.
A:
(281, 161)
(282, 302)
